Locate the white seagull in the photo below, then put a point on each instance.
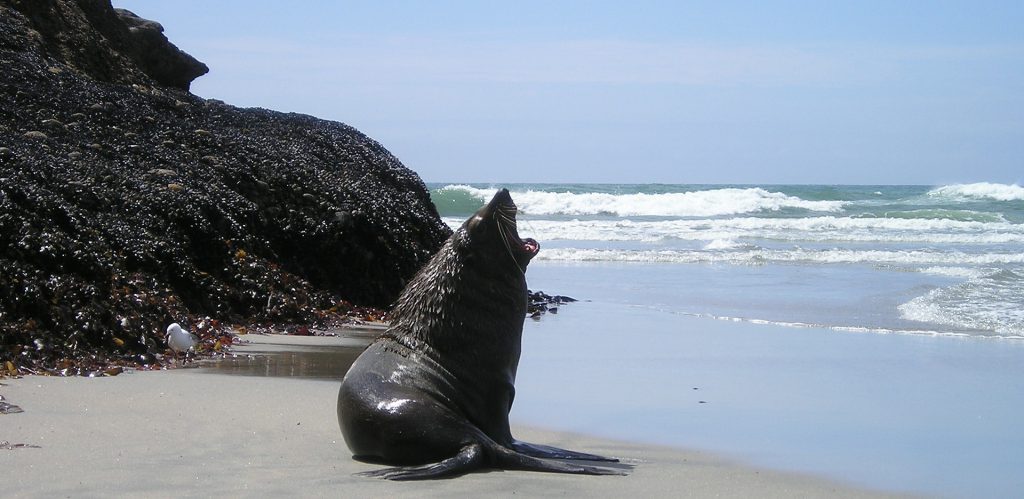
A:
(180, 340)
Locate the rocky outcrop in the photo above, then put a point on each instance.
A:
(107, 44)
(127, 203)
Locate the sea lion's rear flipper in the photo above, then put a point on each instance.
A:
(470, 458)
(548, 452)
(510, 459)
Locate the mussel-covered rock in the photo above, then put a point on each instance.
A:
(127, 203)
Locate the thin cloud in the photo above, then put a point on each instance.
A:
(409, 60)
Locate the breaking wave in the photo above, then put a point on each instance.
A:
(814, 229)
(454, 199)
(984, 303)
(965, 241)
(980, 190)
(799, 255)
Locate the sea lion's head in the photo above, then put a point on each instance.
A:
(476, 280)
(494, 227)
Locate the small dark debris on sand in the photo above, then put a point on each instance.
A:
(5, 445)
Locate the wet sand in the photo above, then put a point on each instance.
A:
(192, 432)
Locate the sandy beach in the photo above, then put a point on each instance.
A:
(190, 432)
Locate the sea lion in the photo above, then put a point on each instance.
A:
(434, 391)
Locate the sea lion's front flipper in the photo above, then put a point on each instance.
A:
(470, 458)
(548, 452)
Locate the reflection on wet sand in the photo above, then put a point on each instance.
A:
(282, 357)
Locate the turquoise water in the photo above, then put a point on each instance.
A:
(946, 260)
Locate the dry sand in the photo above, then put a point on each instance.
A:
(187, 432)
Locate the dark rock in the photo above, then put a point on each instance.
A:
(98, 255)
(92, 37)
(539, 302)
(156, 56)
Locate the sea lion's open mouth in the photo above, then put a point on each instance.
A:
(505, 215)
(530, 246)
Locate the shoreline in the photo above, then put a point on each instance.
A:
(193, 432)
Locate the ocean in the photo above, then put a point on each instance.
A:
(868, 334)
(943, 260)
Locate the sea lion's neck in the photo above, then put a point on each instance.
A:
(460, 309)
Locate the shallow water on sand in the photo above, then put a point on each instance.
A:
(910, 411)
(324, 363)
(321, 362)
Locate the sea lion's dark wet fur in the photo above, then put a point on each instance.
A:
(435, 390)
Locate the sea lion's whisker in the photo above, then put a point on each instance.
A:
(505, 239)
(528, 225)
(505, 211)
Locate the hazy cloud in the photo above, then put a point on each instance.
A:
(395, 60)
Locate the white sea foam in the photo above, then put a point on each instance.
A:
(815, 229)
(848, 329)
(707, 203)
(991, 303)
(981, 190)
(962, 272)
(798, 255)
(969, 236)
(722, 244)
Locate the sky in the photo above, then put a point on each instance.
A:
(782, 92)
